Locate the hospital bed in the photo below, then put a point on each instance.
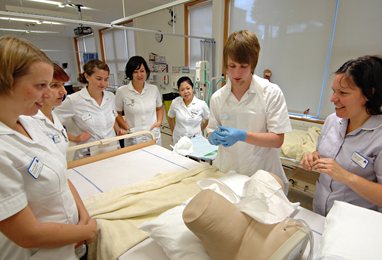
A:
(302, 139)
(136, 164)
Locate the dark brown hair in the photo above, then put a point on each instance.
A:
(89, 69)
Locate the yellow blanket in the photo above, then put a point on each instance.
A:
(120, 212)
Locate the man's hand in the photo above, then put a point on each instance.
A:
(230, 136)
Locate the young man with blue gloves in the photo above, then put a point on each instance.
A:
(249, 115)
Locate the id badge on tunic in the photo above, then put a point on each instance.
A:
(86, 117)
(56, 139)
(359, 160)
(35, 167)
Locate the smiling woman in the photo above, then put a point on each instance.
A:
(191, 113)
(349, 150)
(41, 214)
(92, 110)
(140, 102)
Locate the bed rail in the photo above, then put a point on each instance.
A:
(86, 160)
(109, 140)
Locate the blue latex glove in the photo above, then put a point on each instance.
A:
(215, 138)
(230, 136)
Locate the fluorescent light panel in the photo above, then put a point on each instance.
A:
(59, 4)
(25, 31)
(47, 2)
(27, 20)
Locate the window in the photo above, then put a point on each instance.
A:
(120, 46)
(294, 44)
(304, 48)
(86, 48)
(199, 24)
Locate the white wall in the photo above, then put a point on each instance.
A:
(171, 47)
(59, 49)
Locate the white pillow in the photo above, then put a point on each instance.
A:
(351, 232)
(177, 241)
(172, 235)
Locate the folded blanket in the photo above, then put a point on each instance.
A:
(299, 142)
(121, 211)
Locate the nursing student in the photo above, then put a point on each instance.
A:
(249, 115)
(139, 104)
(91, 110)
(191, 114)
(349, 149)
(39, 214)
(47, 118)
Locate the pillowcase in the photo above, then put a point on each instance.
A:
(351, 232)
(171, 234)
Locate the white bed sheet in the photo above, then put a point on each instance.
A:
(126, 169)
(141, 165)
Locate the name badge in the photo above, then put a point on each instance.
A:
(359, 159)
(35, 167)
(129, 102)
(86, 117)
(56, 139)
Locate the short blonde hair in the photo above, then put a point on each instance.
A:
(242, 47)
(16, 57)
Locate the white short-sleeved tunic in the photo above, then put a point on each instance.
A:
(33, 172)
(139, 108)
(188, 118)
(363, 143)
(262, 109)
(54, 130)
(88, 116)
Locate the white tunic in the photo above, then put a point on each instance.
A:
(88, 116)
(262, 109)
(54, 130)
(33, 172)
(139, 108)
(188, 118)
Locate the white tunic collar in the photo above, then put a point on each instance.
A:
(84, 93)
(131, 88)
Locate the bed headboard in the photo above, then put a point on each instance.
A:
(302, 123)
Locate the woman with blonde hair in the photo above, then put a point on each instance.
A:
(41, 217)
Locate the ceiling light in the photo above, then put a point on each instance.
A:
(49, 22)
(27, 20)
(60, 4)
(47, 2)
(25, 31)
